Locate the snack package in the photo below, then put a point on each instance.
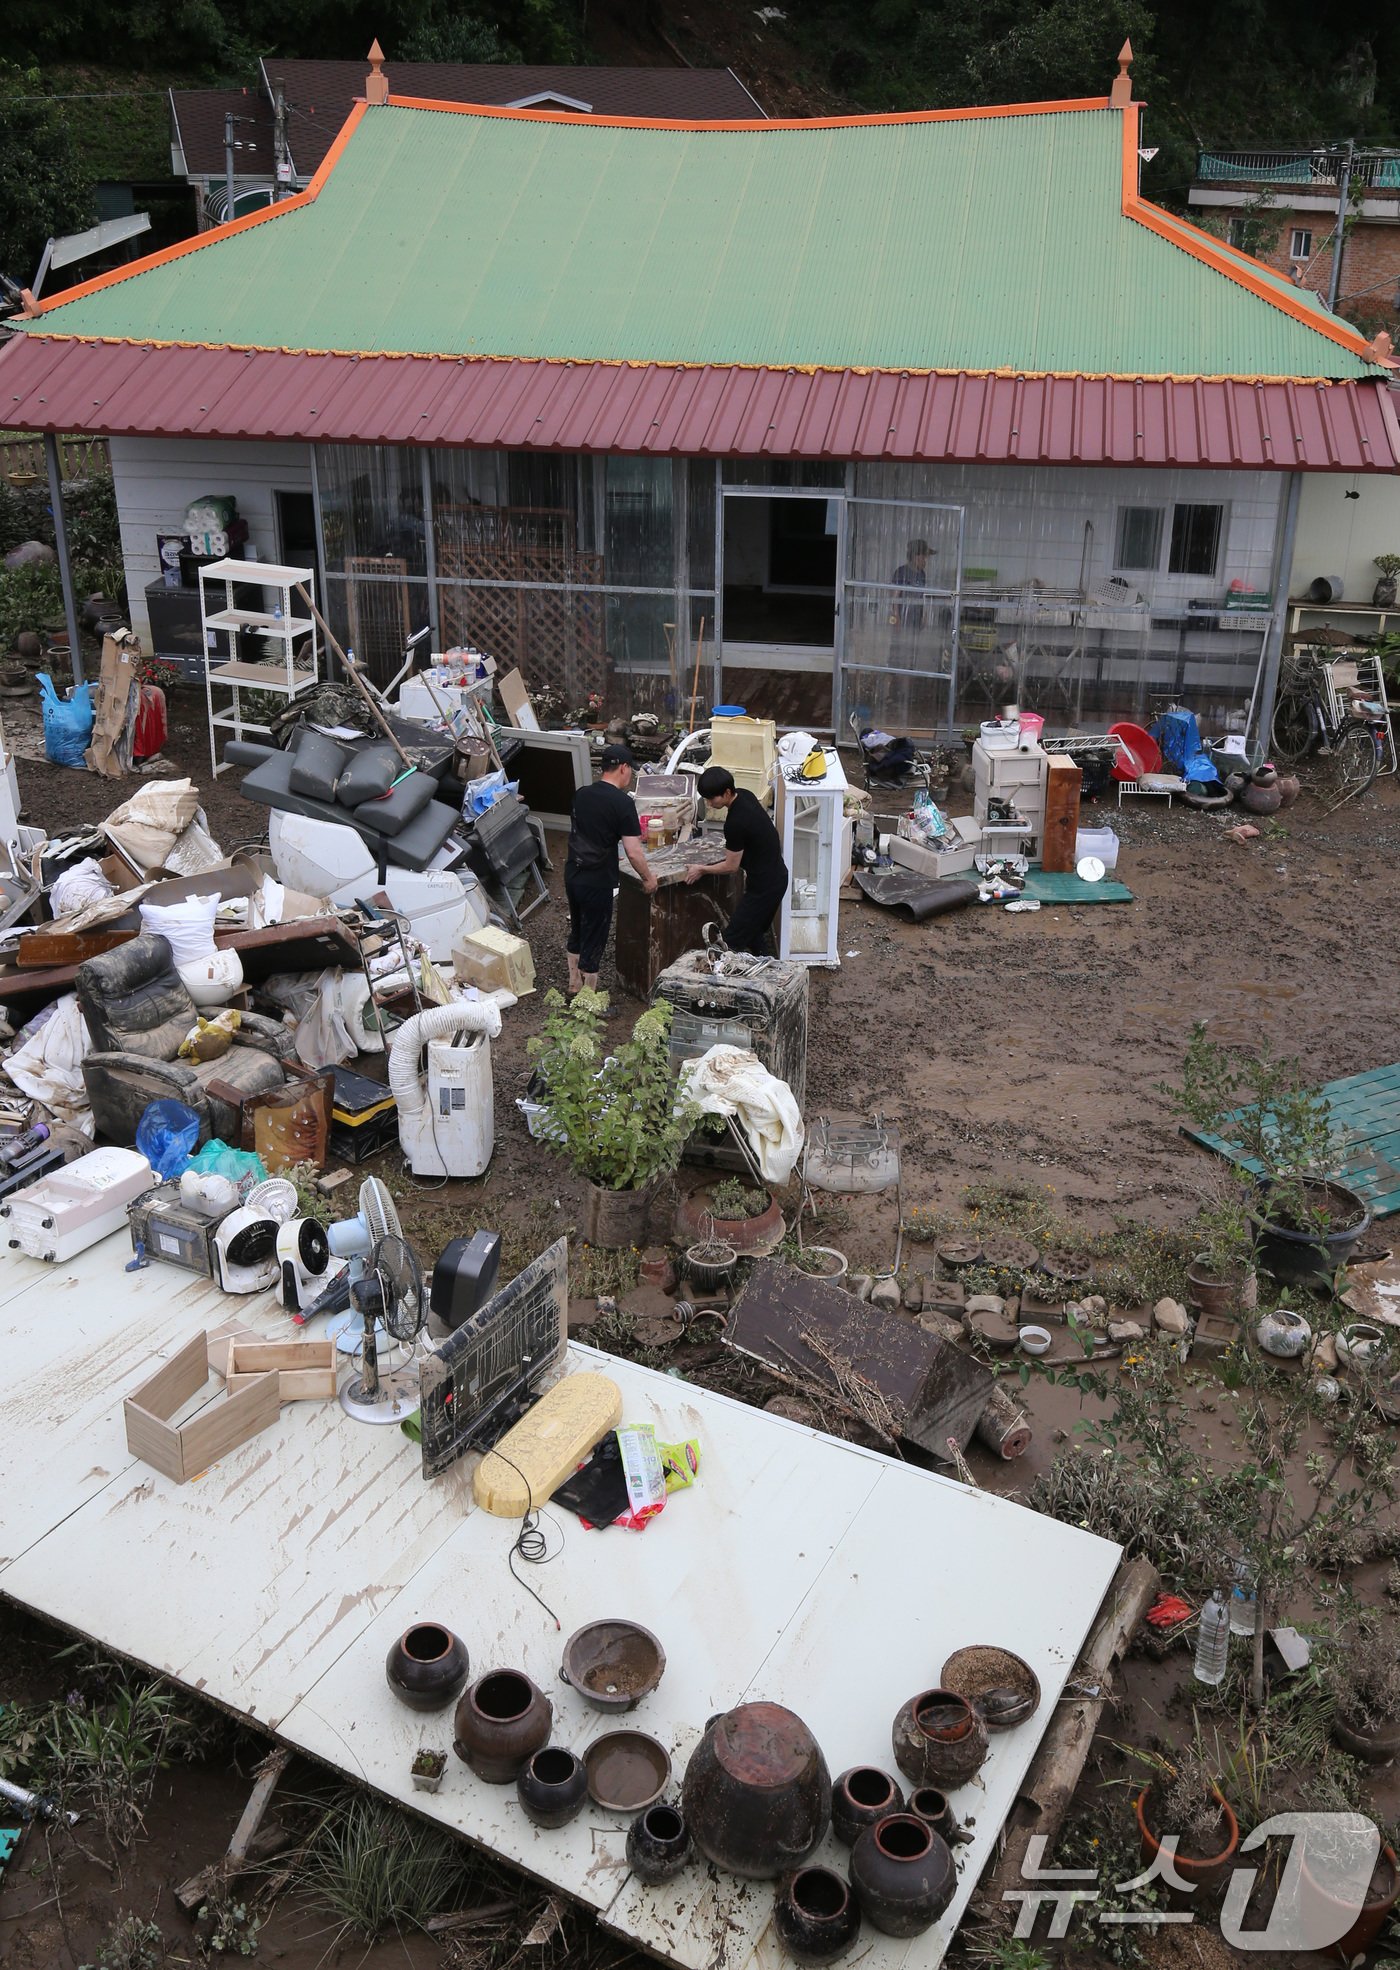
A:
(645, 1475)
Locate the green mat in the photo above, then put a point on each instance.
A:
(1366, 1108)
(1067, 888)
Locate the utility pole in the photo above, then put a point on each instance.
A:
(228, 163)
(279, 136)
(1339, 237)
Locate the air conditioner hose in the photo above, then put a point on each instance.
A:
(438, 1023)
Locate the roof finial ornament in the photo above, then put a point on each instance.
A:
(376, 82)
(1121, 94)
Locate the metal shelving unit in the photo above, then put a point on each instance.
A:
(224, 624)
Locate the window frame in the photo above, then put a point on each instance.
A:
(1166, 512)
(1296, 252)
(1162, 514)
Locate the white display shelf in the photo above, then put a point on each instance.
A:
(224, 622)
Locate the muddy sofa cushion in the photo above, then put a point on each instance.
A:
(368, 776)
(317, 764)
(134, 1001)
(392, 814)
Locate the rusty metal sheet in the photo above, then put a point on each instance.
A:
(797, 1327)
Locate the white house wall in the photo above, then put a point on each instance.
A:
(155, 479)
(1344, 521)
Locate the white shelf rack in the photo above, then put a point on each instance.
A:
(284, 674)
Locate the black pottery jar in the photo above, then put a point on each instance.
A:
(552, 1786)
(427, 1667)
(502, 1721)
(757, 1792)
(904, 1875)
(859, 1798)
(939, 1739)
(816, 1916)
(658, 1844)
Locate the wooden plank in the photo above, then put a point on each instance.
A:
(174, 1383)
(153, 1440)
(1063, 780)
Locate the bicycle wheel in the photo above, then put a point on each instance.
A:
(1350, 765)
(1292, 729)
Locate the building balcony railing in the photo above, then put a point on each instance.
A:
(1378, 170)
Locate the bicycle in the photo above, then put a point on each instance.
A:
(1344, 729)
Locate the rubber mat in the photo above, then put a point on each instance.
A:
(1366, 1109)
(1043, 887)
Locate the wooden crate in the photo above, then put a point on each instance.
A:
(305, 1370)
(180, 1451)
(1063, 780)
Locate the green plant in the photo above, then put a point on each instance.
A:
(621, 1120)
(1366, 1678)
(733, 1198)
(1181, 1796)
(106, 1752)
(29, 597)
(1004, 1953)
(375, 1868)
(131, 1944)
(1389, 565)
(228, 1927)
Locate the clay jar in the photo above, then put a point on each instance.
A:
(931, 1806)
(816, 1916)
(859, 1798)
(500, 1723)
(757, 1792)
(939, 1739)
(903, 1873)
(552, 1786)
(427, 1668)
(658, 1844)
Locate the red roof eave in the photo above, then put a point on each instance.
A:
(52, 383)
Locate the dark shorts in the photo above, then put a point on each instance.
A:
(747, 930)
(590, 894)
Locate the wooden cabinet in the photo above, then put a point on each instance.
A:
(1062, 783)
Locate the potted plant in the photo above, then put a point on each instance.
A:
(1281, 1139)
(1383, 594)
(1366, 1690)
(734, 1211)
(427, 1769)
(617, 1117)
(1221, 1277)
(1183, 1799)
(1331, 1861)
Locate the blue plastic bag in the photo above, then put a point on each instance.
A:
(67, 722)
(165, 1135)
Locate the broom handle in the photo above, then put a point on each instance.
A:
(695, 686)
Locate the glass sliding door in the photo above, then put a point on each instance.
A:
(901, 588)
(374, 525)
(780, 551)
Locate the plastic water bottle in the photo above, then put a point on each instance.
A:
(1213, 1639)
(1244, 1600)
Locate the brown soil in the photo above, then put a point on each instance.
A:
(1013, 1049)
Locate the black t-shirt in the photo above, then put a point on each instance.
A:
(602, 816)
(748, 828)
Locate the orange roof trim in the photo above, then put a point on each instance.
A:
(1222, 260)
(502, 111)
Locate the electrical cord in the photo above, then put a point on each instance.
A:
(531, 1542)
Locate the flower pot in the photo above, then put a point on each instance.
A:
(859, 1798)
(616, 1219)
(552, 1786)
(816, 1916)
(500, 1723)
(904, 1875)
(427, 1668)
(708, 1265)
(658, 1844)
(1361, 1344)
(757, 1792)
(1203, 1871)
(1283, 1333)
(696, 1218)
(1294, 1256)
(1381, 1897)
(1224, 1296)
(427, 1770)
(1377, 1746)
(939, 1740)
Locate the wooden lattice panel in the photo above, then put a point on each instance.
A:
(555, 636)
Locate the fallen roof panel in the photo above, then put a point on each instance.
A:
(55, 384)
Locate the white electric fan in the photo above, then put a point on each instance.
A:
(387, 1301)
(305, 1263)
(245, 1244)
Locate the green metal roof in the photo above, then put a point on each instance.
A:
(974, 243)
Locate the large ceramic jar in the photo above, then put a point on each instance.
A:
(427, 1668)
(903, 1873)
(939, 1739)
(500, 1723)
(757, 1792)
(816, 1916)
(859, 1798)
(1283, 1332)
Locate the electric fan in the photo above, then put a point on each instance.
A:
(245, 1244)
(388, 1293)
(305, 1262)
(352, 1239)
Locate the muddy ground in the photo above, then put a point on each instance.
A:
(1008, 1049)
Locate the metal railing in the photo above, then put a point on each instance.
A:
(22, 458)
(1378, 170)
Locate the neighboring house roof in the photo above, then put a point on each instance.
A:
(320, 95)
(559, 271)
(198, 119)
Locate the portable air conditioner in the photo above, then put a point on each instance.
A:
(446, 1114)
(245, 1244)
(71, 1208)
(304, 1262)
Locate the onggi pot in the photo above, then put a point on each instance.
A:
(757, 1793)
(904, 1875)
(816, 1916)
(859, 1798)
(427, 1667)
(552, 1786)
(500, 1723)
(939, 1739)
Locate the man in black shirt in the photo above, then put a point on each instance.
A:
(753, 846)
(602, 818)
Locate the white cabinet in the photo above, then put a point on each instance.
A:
(280, 623)
(808, 817)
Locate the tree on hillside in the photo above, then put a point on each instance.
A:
(42, 188)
